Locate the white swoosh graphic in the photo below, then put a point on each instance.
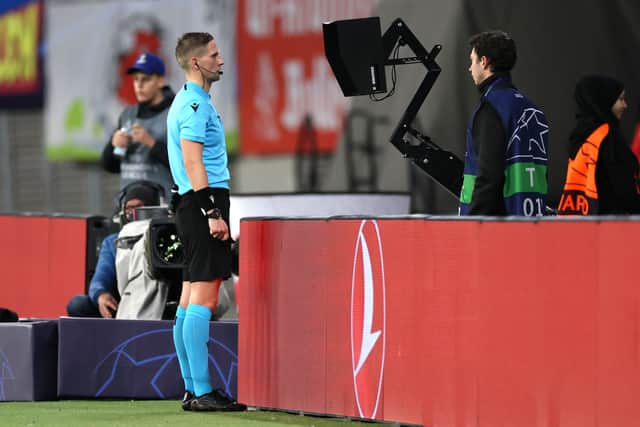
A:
(369, 338)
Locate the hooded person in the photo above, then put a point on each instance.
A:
(602, 172)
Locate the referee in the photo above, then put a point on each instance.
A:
(198, 160)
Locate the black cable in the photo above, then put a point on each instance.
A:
(395, 56)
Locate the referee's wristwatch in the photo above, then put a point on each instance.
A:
(215, 213)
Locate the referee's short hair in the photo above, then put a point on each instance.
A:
(190, 45)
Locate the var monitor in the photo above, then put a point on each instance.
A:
(354, 50)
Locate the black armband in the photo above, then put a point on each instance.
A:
(205, 200)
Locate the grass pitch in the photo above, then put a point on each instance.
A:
(112, 413)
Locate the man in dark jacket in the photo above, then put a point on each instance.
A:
(138, 147)
(507, 139)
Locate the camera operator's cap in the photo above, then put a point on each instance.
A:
(148, 63)
(147, 194)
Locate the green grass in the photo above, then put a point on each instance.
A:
(70, 413)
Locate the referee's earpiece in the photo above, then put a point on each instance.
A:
(206, 69)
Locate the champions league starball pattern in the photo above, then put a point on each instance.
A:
(136, 363)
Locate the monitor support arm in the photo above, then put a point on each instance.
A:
(443, 166)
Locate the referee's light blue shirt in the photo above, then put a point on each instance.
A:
(193, 117)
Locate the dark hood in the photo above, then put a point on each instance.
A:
(594, 96)
(140, 190)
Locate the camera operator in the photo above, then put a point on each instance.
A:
(103, 297)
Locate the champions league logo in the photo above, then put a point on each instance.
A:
(368, 319)
(137, 362)
(530, 136)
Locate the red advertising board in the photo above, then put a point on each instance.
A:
(284, 75)
(442, 322)
(43, 261)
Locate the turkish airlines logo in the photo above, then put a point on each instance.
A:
(368, 319)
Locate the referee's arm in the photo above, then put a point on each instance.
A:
(193, 163)
(197, 174)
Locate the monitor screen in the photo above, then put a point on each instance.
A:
(354, 50)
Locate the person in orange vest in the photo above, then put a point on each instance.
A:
(602, 174)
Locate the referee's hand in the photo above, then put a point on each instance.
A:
(218, 229)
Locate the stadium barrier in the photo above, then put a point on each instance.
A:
(441, 321)
(105, 358)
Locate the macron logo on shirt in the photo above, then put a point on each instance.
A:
(195, 106)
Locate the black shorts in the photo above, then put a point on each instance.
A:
(206, 258)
